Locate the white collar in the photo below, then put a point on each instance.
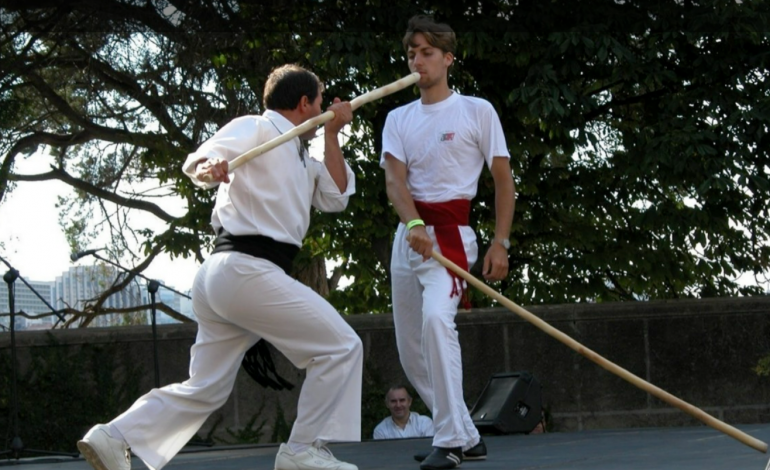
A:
(283, 124)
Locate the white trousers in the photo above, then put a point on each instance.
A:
(427, 339)
(237, 300)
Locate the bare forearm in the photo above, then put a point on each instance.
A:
(333, 159)
(505, 206)
(335, 162)
(505, 197)
(496, 260)
(402, 200)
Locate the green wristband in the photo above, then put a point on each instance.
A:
(414, 223)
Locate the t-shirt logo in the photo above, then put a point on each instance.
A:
(447, 136)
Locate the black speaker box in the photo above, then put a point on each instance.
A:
(510, 403)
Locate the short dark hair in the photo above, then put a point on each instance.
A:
(398, 387)
(438, 35)
(287, 84)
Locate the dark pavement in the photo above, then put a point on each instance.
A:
(700, 448)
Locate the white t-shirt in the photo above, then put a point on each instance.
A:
(444, 145)
(271, 194)
(417, 426)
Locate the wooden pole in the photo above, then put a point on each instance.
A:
(373, 95)
(610, 366)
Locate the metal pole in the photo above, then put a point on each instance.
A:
(16, 444)
(152, 287)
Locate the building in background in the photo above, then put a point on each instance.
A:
(80, 284)
(25, 300)
(176, 301)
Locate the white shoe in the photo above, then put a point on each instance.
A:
(311, 459)
(103, 451)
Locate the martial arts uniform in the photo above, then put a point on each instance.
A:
(238, 299)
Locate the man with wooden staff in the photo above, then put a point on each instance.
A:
(243, 291)
(433, 152)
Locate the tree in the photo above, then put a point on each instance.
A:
(637, 132)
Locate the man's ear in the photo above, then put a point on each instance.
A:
(449, 59)
(304, 102)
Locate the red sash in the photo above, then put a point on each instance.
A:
(445, 217)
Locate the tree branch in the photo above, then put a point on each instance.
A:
(85, 186)
(618, 287)
(106, 311)
(125, 83)
(101, 132)
(96, 307)
(32, 141)
(601, 110)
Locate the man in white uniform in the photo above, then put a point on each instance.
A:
(433, 152)
(242, 293)
(402, 422)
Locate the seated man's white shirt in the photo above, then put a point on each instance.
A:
(417, 426)
(274, 203)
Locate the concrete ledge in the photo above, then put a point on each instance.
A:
(702, 351)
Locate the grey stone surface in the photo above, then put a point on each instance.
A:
(695, 448)
(702, 351)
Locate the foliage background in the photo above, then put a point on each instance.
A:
(638, 131)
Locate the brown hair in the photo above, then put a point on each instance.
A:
(439, 35)
(287, 84)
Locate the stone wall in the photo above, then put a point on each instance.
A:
(701, 351)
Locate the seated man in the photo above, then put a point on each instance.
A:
(402, 423)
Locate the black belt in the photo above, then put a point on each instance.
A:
(259, 246)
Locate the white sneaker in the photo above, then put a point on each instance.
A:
(103, 451)
(311, 459)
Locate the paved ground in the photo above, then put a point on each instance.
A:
(698, 448)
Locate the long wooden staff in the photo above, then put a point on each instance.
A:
(373, 95)
(610, 366)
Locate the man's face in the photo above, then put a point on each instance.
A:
(398, 402)
(431, 62)
(314, 109)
